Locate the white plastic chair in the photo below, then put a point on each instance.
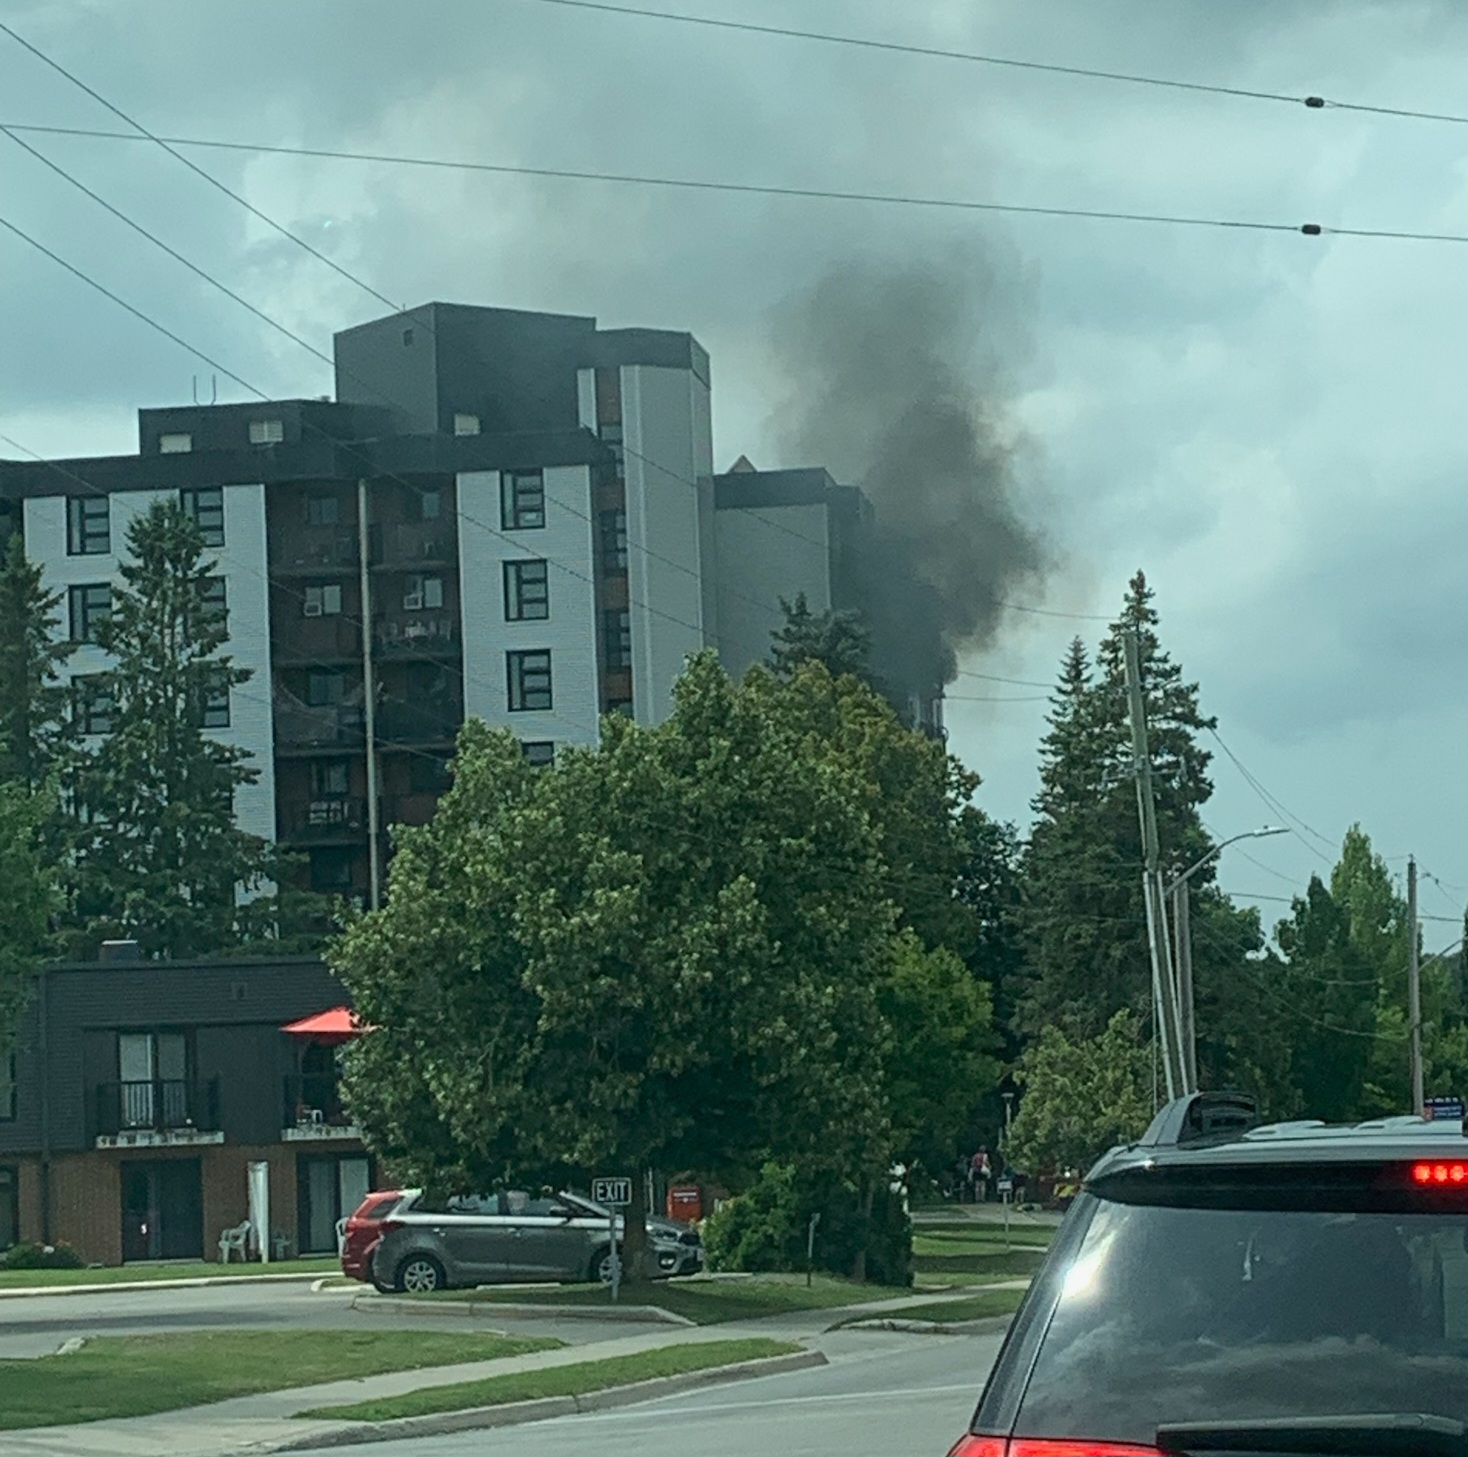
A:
(236, 1239)
(341, 1237)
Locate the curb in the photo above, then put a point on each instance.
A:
(387, 1305)
(30, 1292)
(984, 1326)
(518, 1412)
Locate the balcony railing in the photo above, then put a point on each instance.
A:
(316, 549)
(157, 1105)
(400, 722)
(416, 635)
(413, 544)
(327, 819)
(312, 1107)
(299, 725)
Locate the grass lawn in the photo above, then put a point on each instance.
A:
(970, 1307)
(182, 1270)
(129, 1376)
(704, 1302)
(964, 1253)
(574, 1380)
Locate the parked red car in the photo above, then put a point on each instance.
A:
(364, 1231)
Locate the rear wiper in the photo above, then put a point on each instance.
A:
(1393, 1434)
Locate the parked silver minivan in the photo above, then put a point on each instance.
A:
(508, 1237)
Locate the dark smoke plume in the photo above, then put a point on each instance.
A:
(895, 387)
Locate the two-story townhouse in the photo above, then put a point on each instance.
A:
(140, 1092)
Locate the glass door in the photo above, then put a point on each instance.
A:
(135, 1073)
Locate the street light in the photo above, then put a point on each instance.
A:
(1177, 893)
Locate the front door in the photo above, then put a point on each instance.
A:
(162, 1210)
(330, 1188)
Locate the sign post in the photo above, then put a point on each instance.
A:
(615, 1194)
(1006, 1192)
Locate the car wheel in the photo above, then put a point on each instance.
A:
(601, 1267)
(421, 1275)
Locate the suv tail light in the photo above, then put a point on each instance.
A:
(976, 1446)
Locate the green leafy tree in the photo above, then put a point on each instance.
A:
(838, 639)
(160, 857)
(36, 731)
(27, 901)
(668, 952)
(1082, 1096)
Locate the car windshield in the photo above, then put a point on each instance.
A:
(1170, 1315)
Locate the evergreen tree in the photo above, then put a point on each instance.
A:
(839, 639)
(161, 859)
(36, 731)
(27, 899)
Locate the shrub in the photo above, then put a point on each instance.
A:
(766, 1227)
(30, 1256)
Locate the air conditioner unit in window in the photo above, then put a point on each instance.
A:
(311, 609)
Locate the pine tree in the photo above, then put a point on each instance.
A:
(838, 638)
(36, 731)
(161, 859)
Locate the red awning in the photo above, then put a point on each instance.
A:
(339, 1024)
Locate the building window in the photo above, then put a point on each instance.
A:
(530, 681)
(423, 593)
(267, 432)
(176, 444)
(430, 505)
(92, 703)
(618, 629)
(214, 595)
(204, 506)
(88, 532)
(331, 869)
(323, 599)
(330, 779)
(527, 592)
(539, 754)
(466, 424)
(7, 1094)
(522, 500)
(325, 687)
(9, 1206)
(216, 705)
(323, 510)
(620, 705)
(614, 542)
(407, 338)
(90, 605)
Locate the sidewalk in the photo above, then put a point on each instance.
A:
(264, 1423)
(188, 1282)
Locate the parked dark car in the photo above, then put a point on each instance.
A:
(401, 1241)
(1224, 1287)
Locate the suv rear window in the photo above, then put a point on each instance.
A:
(377, 1206)
(1172, 1314)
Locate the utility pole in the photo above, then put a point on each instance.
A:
(369, 705)
(1414, 990)
(1163, 986)
(1182, 946)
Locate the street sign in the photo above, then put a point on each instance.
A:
(613, 1192)
(1438, 1110)
(1006, 1186)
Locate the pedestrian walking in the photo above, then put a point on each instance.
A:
(979, 1172)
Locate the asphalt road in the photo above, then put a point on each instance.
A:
(883, 1393)
(37, 1325)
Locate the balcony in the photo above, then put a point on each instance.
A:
(416, 635)
(400, 722)
(413, 544)
(312, 1110)
(332, 726)
(303, 640)
(312, 551)
(160, 1112)
(326, 821)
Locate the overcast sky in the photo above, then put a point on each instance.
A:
(1269, 424)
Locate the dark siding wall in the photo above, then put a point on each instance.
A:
(251, 1064)
(375, 367)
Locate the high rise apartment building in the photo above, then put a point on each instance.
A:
(507, 515)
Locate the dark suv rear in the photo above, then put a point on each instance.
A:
(1221, 1287)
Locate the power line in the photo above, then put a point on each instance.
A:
(1273, 804)
(934, 52)
(1130, 78)
(747, 189)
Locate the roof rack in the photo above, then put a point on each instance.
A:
(1202, 1118)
